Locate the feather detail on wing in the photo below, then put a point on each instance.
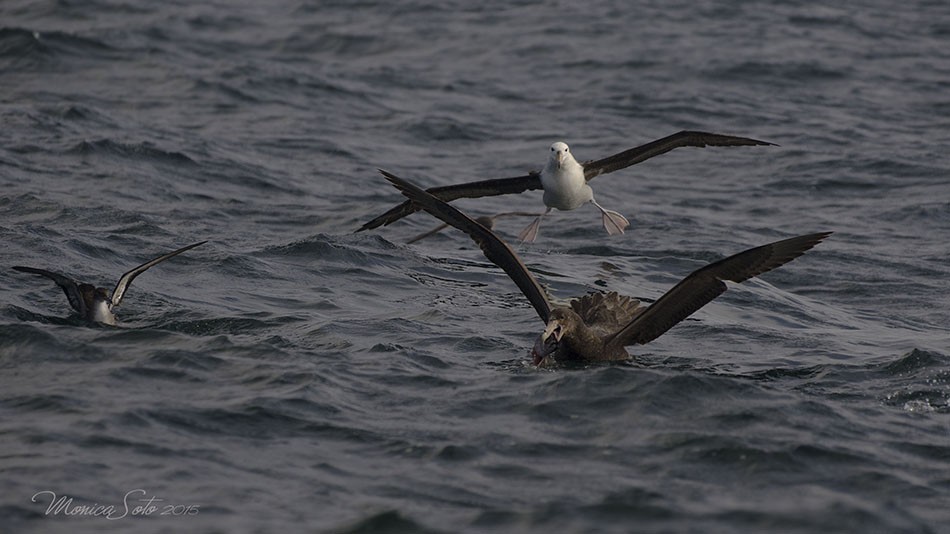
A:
(607, 311)
(706, 283)
(126, 279)
(642, 153)
(70, 287)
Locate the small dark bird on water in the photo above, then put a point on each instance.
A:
(93, 303)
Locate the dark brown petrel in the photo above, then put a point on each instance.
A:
(597, 327)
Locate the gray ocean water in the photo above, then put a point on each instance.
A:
(292, 375)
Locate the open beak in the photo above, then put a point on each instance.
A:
(547, 342)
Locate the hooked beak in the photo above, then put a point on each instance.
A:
(559, 156)
(547, 342)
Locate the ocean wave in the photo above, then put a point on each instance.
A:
(144, 151)
(22, 47)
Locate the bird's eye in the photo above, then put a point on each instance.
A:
(552, 149)
(567, 149)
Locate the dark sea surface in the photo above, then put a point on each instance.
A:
(294, 376)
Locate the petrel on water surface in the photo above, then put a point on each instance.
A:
(93, 303)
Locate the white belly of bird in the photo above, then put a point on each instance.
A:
(102, 314)
(566, 190)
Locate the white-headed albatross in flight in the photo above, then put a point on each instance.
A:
(564, 180)
(597, 327)
(93, 303)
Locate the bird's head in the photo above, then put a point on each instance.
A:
(103, 295)
(92, 294)
(560, 154)
(560, 324)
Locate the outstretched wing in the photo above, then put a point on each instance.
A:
(448, 193)
(70, 286)
(532, 181)
(662, 146)
(706, 283)
(126, 279)
(494, 248)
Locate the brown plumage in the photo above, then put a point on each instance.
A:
(597, 327)
(592, 169)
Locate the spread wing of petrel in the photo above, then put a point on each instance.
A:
(496, 250)
(69, 286)
(592, 169)
(707, 283)
(123, 285)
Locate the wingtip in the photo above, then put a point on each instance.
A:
(812, 239)
(821, 236)
(193, 245)
(755, 142)
(378, 221)
(803, 243)
(407, 188)
(29, 270)
(396, 181)
(759, 142)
